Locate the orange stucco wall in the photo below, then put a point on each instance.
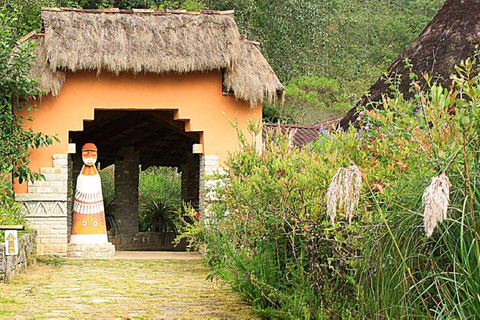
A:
(197, 97)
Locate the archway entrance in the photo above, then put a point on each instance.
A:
(132, 141)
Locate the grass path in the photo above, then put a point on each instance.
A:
(107, 289)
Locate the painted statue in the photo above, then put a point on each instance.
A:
(88, 222)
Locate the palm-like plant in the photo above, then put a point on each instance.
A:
(111, 208)
(160, 216)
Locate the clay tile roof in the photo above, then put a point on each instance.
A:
(303, 135)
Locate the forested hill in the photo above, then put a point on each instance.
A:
(327, 52)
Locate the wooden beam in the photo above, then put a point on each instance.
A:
(114, 133)
(175, 125)
(101, 120)
(162, 160)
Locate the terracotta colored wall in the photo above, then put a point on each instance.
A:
(197, 97)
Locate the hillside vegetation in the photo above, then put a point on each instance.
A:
(326, 53)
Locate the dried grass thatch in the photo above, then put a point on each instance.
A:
(436, 198)
(344, 192)
(157, 42)
(251, 71)
(50, 82)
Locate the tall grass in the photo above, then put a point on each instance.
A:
(275, 240)
(411, 272)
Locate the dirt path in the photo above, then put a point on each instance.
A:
(120, 288)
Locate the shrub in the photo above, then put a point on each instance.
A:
(408, 273)
(110, 205)
(10, 214)
(276, 245)
(309, 100)
(271, 238)
(159, 196)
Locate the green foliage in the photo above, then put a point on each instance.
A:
(107, 175)
(271, 238)
(275, 245)
(10, 214)
(352, 42)
(110, 205)
(159, 216)
(159, 199)
(288, 30)
(191, 229)
(27, 14)
(15, 91)
(437, 276)
(309, 100)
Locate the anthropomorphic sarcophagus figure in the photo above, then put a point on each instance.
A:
(88, 221)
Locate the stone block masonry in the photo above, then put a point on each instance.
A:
(191, 180)
(12, 265)
(209, 167)
(126, 193)
(45, 206)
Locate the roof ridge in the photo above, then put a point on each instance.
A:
(139, 11)
(311, 126)
(300, 126)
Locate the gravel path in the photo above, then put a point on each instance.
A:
(120, 288)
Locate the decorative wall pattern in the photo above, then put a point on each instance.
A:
(45, 206)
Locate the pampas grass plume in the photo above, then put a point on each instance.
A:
(344, 192)
(436, 199)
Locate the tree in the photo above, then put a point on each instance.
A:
(309, 100)
(17, 90)
(451, 37)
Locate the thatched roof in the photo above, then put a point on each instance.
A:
(447, 40)
(137, 41)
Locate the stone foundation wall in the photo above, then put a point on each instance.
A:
(45, 206)
(12, 265)
(151, 241)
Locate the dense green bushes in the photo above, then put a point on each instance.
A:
(278, 247)
(410, 274)
(276, 244)
(16, 141)
(308, 98)
(10, 214)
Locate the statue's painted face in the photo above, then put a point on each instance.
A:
(89, 154)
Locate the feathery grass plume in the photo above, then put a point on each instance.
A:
(436, 198)
(291, 137)
(344, 192)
